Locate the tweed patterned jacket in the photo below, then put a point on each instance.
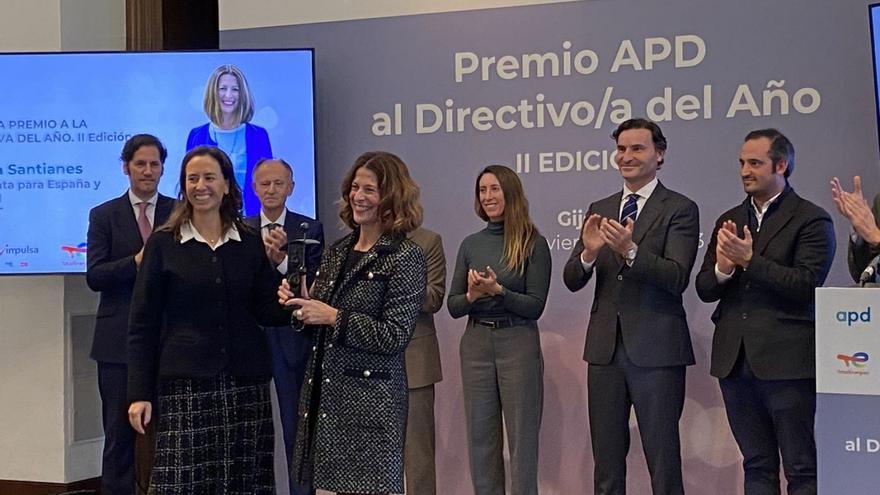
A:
(353, 404)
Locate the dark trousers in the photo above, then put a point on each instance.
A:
(657, 396)
(290, 354)
(145, 453)
(419, 448)
(117, 469)
(769, 417)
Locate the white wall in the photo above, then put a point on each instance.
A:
(32, 384)
(30, 26)
(31, 420)
(237, 14)
(34, 372)
(83, 439)
(92, 25)
(36, 386)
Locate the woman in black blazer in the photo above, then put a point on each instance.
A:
(365, 301)
(196, 349)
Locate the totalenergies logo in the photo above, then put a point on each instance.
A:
(855, 364)
(78, 251)
(857, 360)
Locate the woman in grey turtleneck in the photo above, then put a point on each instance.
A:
(501, 278)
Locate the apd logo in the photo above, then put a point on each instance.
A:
(855, 364)
(854, 317)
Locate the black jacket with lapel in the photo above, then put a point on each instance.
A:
(645, 297)
(770, 307)
(113, 241)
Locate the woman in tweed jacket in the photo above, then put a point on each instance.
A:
(365, 301)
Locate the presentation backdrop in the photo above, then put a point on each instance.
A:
(67, 116)
(540, 89)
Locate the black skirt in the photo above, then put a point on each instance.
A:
(215, 437)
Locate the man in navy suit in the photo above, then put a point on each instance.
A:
(640, 245)
(118, 230)
(273, 184)
(766, 258)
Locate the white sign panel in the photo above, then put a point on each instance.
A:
(848, 341)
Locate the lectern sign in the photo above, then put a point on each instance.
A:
(848, 341)
(848, 386)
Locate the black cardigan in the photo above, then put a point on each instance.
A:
(197, 312)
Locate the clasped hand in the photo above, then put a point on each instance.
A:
(855, 208)
(275, 242)
(482, 284)
(731, 250)
(598, 231)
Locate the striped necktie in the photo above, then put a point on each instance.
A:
(630, 208)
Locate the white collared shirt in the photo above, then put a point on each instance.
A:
(188, 233)
(151, 206)
(264, 220)
(760, 212)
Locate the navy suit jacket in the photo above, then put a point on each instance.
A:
(769, 309)
(292, 222)
(644, 298)
(113, 241)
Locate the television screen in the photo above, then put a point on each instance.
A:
(874, 14)
(66, 117)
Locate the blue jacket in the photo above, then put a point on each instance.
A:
(258, 147)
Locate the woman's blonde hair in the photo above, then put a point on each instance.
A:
(400, 209)
(519, 231)
(245, 110)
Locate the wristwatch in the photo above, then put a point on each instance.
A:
(631, 253)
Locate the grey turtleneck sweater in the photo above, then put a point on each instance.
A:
(524, 295)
